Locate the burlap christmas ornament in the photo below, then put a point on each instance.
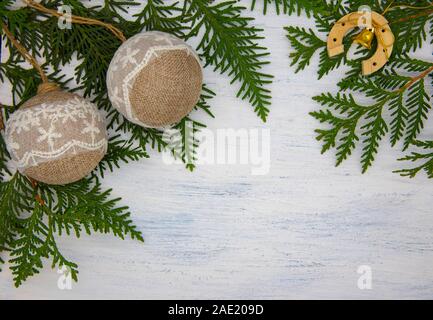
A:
(154, 79)
(56, 137)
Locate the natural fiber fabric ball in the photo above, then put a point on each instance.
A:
(56, 137)
(154, 79)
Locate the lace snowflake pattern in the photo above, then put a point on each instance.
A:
(51, 131)
(134, 55)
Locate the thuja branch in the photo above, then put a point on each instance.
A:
(2, 126)
(83, 206)
(38, 198)
(415, 79)
(414, 16)
(229, 44)
(77, 19)
(407, 99)
(32, 214)
(425, 157)
(79, 206)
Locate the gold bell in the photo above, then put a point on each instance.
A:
(365, 37)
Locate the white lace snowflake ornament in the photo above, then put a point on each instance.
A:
(56, 137)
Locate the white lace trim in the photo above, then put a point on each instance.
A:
(74, 111)
(34, 158)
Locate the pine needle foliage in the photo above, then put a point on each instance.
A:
(33, 216)
(398, 96)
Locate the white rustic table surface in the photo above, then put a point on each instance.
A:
(300, 231)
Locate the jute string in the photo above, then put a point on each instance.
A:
(77, 19)
(46, 85)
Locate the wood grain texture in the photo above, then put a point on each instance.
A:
(300, 231)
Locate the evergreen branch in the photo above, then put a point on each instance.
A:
(404, 98)
(418, 107)
(390, 80)
(4, 6)
(28, 238)
(408, 26)
(120, 150)
(399, 114)
(25, 28)
(419, 77)
(4, 157)
(426, 160)
(32, 215)
(374, 132)
(203, 103)
(91, 72)
(34, 242)
(144, 137)
(163, 17)
(29, 247)
(112, 6)
(305, 43)
(59, 260)
(229, 44)
(368, 86)
(326, 65)
(91, 210)
(343, 121)
(182, 141)
(333, 11)
(414, 16)
(15, 199)
(24, 82)
(82, 205)
(407, 113)
(404, 62)
(310, 7)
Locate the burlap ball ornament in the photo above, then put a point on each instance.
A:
(154, 79)
(56, 137)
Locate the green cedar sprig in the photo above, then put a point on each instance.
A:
(400, 93)
(230, 44)
(32, 216)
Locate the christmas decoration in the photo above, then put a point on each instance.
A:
(154, 79)
(33, 215)
(374, 24)
(56, 137)
(400, 91)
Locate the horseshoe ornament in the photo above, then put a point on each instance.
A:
(384, 35)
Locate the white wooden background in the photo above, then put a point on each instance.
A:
(300, 231)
